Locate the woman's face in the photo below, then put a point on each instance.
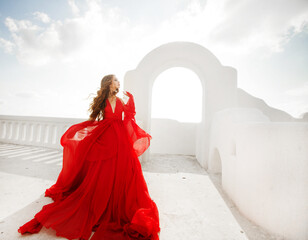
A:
(114, 83)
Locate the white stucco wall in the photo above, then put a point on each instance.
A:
(264, 168)
(181, 137)
(271, 176)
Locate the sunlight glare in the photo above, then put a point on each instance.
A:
(177, 94)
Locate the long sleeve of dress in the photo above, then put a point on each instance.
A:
(140, 138)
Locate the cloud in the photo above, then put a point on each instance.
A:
(6, 45)
(73, 7)
(64, 41)
(101, 33)
(37, 45)
(255, 25)
(42, 17)
(240, 27)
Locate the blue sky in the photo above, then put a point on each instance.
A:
(53, 54)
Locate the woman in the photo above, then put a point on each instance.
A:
(101, 187)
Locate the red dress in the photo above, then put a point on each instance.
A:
(101, 187)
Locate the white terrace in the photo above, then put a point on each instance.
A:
(256, 157)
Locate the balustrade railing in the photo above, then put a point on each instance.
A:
(37, 131)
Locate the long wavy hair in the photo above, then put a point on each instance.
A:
(97, 106)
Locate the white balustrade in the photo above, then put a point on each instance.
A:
(37, 131)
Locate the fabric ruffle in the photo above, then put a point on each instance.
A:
(149, 228)
(33, 226)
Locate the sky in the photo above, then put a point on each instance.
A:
(53, 54)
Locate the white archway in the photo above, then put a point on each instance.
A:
(175, 113)
(219, 84)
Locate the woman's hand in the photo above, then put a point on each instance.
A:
(128, 94)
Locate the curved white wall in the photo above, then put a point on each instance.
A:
(264, 168)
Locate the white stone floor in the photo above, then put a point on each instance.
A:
(191, 202)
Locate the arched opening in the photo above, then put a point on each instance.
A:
(177, 95)
(216, 80)
(176, 111)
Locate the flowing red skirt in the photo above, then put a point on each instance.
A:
(100, 188)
